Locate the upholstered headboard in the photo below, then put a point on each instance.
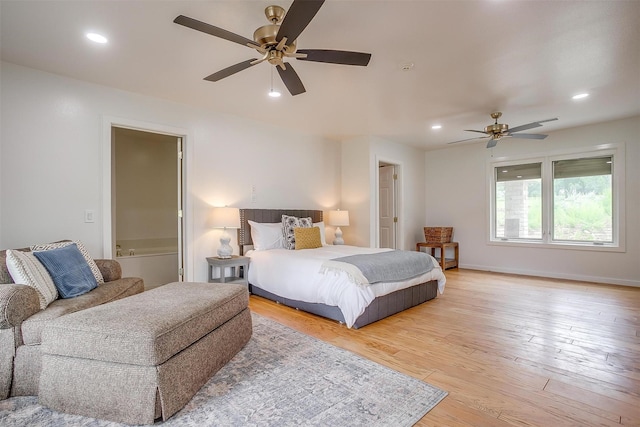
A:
(267, 216)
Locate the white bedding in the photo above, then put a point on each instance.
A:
(296, 275)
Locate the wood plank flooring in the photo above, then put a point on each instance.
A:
(510, 350)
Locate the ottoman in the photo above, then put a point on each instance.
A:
(144, 356)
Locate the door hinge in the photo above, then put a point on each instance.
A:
(179, 155)
(181, 271)
(179, 213)
(395, 219)
(395, 176)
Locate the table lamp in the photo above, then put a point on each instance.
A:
(225, 218)
(338, 219)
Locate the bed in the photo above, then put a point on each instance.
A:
(293, 278)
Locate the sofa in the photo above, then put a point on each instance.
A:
(22, 322)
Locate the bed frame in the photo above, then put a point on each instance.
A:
(379, 308)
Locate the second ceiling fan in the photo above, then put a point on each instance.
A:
(277, 41)
(498, 131)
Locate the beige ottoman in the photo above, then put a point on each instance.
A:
(145, 356)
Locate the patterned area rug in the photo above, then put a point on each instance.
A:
(281, 378)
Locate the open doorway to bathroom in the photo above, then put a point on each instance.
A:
(146, 205)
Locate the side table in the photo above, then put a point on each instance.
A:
(238, 266)
(443, 260)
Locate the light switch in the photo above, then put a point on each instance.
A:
(89, 216)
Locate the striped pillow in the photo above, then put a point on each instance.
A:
(25, 269)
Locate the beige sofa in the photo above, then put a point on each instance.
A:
(22, 322)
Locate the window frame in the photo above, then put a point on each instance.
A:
(616, 151)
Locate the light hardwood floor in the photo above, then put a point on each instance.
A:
(510, 350)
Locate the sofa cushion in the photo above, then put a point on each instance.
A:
(69, 270)
(33, 326)
(26, 269)
(85, 254)
(146, 329)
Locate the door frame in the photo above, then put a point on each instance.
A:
(399, 204)
(108, 184)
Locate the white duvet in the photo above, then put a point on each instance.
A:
(296, 275)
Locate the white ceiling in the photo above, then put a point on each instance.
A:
(524, 58)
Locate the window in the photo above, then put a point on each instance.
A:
(569, 199)
(518, 201)
(582, 200)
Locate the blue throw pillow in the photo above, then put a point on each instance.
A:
(69, 270)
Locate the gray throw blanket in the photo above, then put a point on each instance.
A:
(391, 266)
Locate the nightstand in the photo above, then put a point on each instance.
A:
(444, 262)
(238, 266)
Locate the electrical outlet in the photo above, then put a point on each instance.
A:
(253, 193)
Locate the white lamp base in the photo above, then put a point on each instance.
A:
(225, 250)
(338, 240)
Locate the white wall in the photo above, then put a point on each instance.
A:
(360, 157)
(52, 167)
(411, 188)
(356, 194)
(456, 195)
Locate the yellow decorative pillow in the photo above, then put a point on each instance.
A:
(307, 237)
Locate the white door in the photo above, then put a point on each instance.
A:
(180, 212)
(387, 198)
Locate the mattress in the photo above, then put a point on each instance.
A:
(297, 276)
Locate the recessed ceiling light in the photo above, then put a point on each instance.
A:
(98, 38)
(505, 171)
(580, 96)
(436, 127)
(519, 176)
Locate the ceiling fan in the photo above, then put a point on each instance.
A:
(277, 41)
(497, 131)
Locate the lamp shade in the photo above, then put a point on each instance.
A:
(339, 218)
(225, 218)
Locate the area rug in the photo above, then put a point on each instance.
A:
(281, 378)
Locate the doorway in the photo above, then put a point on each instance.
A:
(146, 205)
(387, 210)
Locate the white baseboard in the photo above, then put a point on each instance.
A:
(555, 275)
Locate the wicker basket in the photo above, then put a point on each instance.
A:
(438, 234)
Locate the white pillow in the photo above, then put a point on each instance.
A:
(26, 269)
(320, 225)
(266, 236)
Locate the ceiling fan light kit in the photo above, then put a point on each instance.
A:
(497, 131)
(277, 41)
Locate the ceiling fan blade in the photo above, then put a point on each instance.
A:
(479, 131)
(230, 70)
(335, 56)
(291, 80)
(530, 125)
(468, 139)
(492, 143)
(527, 135)
(300, 13)
(214, 31)
(525, 127)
